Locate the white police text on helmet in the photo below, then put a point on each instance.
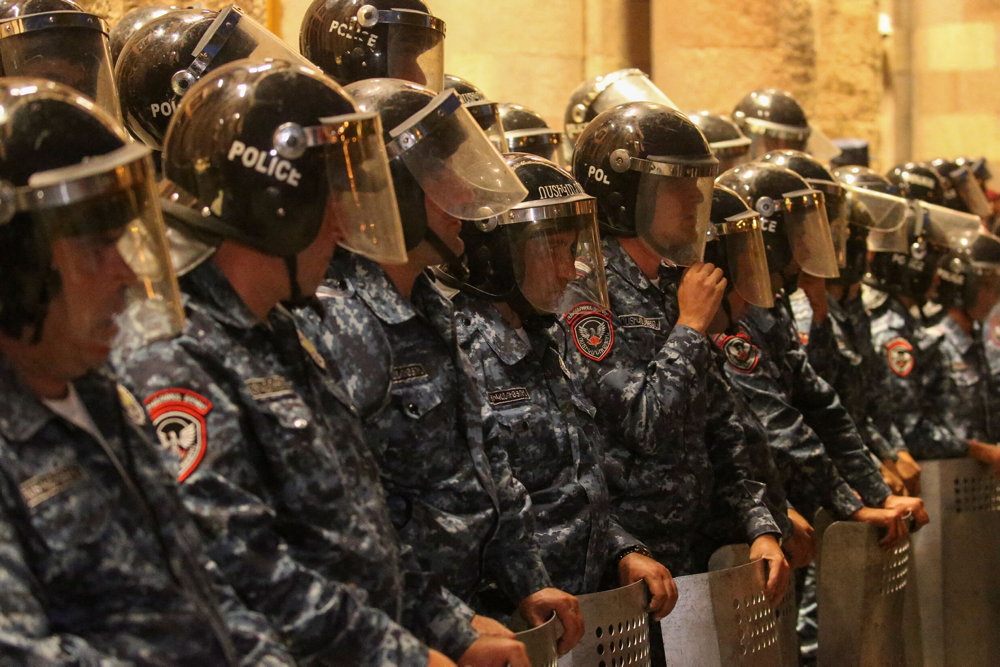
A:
(163, 109)
(264, 162)
(352, 30)
(598, 174)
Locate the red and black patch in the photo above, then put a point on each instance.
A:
(593, 333)
(179, 418)
(900, 356)
(995, 330)
(740, 352)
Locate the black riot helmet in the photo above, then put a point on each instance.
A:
(819, 178)
(727, 142)
(130, 23)
(485, 112)
(773, 120)
(68, 175)
(352, 40)
(736, 245)
(979, 166)
(601, 93)
(917, 180)
(543, 256)
(525, 131)
(965, 193)
(56, 40)
(264, 152)
(794, 220)
(969, 278)
(651, 171)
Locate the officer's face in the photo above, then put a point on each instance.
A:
(80, 326)
(447, 228)
(549, 265)
(675, 214)
(313, 261)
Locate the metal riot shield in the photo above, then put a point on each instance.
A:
(615, 629)
(785, 615)
(540, 641)
(721, 618)
(860, 590)
(957, 565)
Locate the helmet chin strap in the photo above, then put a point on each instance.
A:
(456, 267)
(296, 298)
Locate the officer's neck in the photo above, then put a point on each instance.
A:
(32, 363)
(962, 319)
(508, 314)
(260, 280)
(404, 276)
(647, 260)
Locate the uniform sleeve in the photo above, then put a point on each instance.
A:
(638, 401)
(432, 612)
(826, 415)
(26, 636)
(319, 619)
(795, 446)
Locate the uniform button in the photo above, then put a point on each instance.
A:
(300, 423)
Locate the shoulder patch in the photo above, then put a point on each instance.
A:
(899, 352)
(804, 337)
(179, 418)
(593, 334)
(740, 353)
(131, 406)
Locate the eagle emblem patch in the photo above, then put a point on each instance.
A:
(900, 355)
(179, 418)
(740, 353)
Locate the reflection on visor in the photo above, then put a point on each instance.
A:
(875, 210)
(971, 192)
(947, 227)
(454, 162)
(809, 233)
(487, 116)
(746, 257)
(631, 85)
(672, 216)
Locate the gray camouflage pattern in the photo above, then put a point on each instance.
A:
(287, 493)
(676, 452)
(100, 563)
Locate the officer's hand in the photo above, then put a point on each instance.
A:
(699, 295)
(538, 607)
(488, 627)
(815, 289)
(889, 520)
(909, 470)
(891, 477)
(495, 652)
(988, 454)
(435, 659)
(766, 547)
(800, 547)
(913, 508)
(634, 567)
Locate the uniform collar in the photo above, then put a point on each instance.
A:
(210, 287)
(478, 315)
(618, 260)
(373, 285)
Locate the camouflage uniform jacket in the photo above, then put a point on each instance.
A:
(434, 467)
(970, 401)
(674, 444)
(916, 381)
(840, 351)
(99, 562)
(274, 466)
(813, 438)
(534, 417)
(991, 342)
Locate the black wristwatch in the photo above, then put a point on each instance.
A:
(634, 549)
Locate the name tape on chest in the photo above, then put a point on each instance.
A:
(36, 490)
(407, 373)
(508, 396)
(270, 387)
(899, 353)
(641, 322)
(740, 352)
(179, 419)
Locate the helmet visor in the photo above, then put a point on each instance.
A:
(836, 215)
(971, 192)
(540, 141)
(557, 257)
(746, 257)
(67, 47)
(104, 215)
(948, 228)
(361, 191)
(487, 116)
(895, 239)
(454, 162)
(875, 210)
(821, 146)
(631, 86)
(809, 233)
(415, 50)
(672, 214)
(232, 36)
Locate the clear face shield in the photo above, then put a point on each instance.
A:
(821, 146)
(807, 230)
(103, 224)
(836, 214)
(556, 255)
(233, 35)
(67, 47)
(628, 85)
(673, 204)
(487, 116)
(540, 141)
(946, 227)
(971, 192)
(731, 153)
(454, 162)
(361, 194)
(415, 44)
(746, 257)
(767, 136)
(884, 215)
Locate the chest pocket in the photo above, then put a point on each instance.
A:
(289, 411)
(415, 401)
(68, 508)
